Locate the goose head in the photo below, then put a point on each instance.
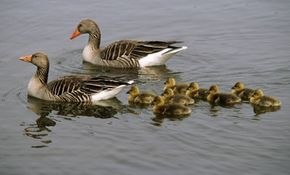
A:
(39, 59)
(86, 26)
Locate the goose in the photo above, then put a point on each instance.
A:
(69, 88)
(169, 97)
(241, 91)
(179, 88)
(195, 92)
(259, 99)
(224, 99)
(137, 97)
(123, 53)
(172, 109)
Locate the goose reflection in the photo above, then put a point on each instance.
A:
(47, 110)
(146, 74)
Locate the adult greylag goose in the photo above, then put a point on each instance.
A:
(259, 99)
(224, 99)
(123, 53)
(70, 88)
(241, 91)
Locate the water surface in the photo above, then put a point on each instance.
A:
(228, 41)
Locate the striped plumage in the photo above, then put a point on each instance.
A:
(124, 53)
(70, 88)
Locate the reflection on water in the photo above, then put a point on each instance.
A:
(147, 74)
(159, 119)
(40, 129)
(261, 110)
(104, 109)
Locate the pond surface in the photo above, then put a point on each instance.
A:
(228, 41)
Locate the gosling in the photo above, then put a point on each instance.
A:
(139, 98)
(241, 91)
(171, 109)
(223, 99)
(177, 88)
(169, 97)
(260, 100)
(193, 91)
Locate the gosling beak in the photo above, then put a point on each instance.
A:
(27, 58)
(75, 34)
(128, 92)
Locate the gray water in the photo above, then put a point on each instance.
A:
(228, 41)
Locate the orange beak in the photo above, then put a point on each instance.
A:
(27, 58)
(75, 34)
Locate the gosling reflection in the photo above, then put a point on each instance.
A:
(258, 110)
(159, 119)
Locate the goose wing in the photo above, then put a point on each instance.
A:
(66, 84)
(135, 49)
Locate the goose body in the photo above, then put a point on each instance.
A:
(124, 53)
(70, 88)
(260, 100)
(171, 109)
(137, 97)
(224, 99)
(242, 92)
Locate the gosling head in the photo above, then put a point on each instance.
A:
(239, 86)
(214, 89)
(170, 82)
(134, 91)
(168, 92)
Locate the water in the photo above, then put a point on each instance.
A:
(228, 41)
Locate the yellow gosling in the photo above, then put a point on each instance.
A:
(171, 109)
(241, 91)
(169, 97)
(259, 99)
(177, 88)
(137, 97)
(195, 92)
(223, 99)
